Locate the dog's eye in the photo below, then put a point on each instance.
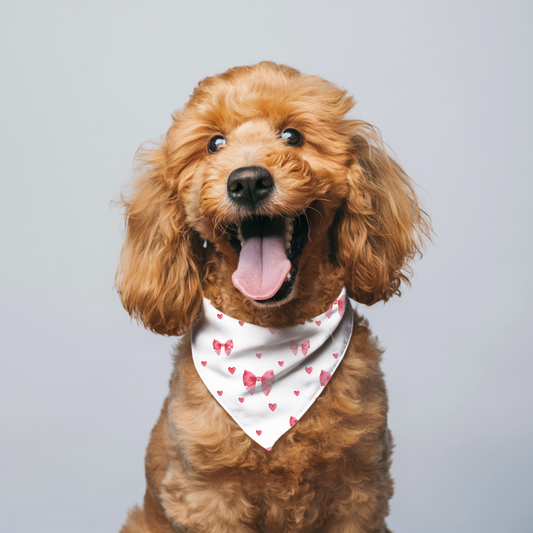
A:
(292, 137)
(215, 143)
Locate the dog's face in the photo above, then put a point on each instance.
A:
(269, 175)
(291, 199)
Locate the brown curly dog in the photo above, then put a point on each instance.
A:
(259, 145)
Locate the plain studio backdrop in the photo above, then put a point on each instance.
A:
(450, 86)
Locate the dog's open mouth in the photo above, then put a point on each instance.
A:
(268, 249)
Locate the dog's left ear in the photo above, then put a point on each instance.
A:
(381, 226)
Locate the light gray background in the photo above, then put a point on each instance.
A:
(85, 83)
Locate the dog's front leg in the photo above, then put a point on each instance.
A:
(209, 511)
(206, 504)
(366, 517)
(368, 509)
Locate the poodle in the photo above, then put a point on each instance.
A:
(252, 232)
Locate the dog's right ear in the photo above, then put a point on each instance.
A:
(159, 274)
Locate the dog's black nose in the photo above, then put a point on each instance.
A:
(248, 186)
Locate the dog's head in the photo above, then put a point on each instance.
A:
(264, 196)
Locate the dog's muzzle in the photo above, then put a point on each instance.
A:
(268, 246)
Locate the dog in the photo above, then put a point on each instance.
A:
(261, 206)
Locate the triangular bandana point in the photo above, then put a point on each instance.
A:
(268, 378)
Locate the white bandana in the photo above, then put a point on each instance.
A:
(266, 379)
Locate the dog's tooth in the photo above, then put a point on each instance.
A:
(288, 239)
(289, 229)
(289, 226)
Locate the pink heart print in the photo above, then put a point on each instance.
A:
(318, 322)
(231, 369)
(297, 392)
(241, 323)
(306, 345)
(220, 315)
(241, 400)
(272, 330)
(336, 355)
(217, 346)
(258, 431)
(292, 421)
(267, 381)
(308, 369)
(324, 378)
(259, 355)
(341, 303)
(272, 406)
(349, 329)
(220, 393)
(203, 363)
(281, 363)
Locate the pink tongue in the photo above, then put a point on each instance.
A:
(263, 267)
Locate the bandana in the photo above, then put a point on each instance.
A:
(266, 379)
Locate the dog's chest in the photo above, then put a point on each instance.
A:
(278, 488)
(314, 467)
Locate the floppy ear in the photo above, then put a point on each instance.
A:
(380, 226)
(158, 277)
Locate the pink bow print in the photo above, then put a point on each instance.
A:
(340, 302)
(228, 346)
(305, 347)
(267, 381)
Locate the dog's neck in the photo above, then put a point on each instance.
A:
(319, 294)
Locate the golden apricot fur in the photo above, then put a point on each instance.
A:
(330, 472)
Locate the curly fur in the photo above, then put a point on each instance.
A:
(330, 473)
